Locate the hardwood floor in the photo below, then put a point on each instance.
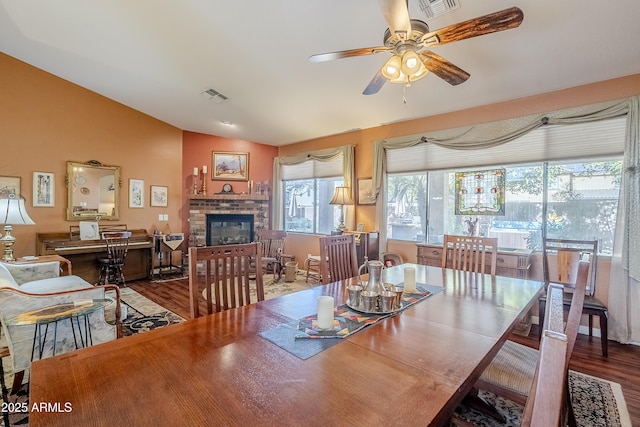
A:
(622, 365)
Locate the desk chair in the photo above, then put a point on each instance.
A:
(111, 268)
(224, 273)
(568, 254)
(341, 258)
(470, 254)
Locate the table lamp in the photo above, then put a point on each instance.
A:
(342, 196)
(12, 212)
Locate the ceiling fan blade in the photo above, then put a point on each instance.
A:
(443, 68)
(321, 57)
(375, 84)
(396, 13)
(487, 24)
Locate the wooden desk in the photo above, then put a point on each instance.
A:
(409, 369)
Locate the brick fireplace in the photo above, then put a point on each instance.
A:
(232, 204)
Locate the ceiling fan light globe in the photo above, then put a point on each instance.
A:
(392, 68)
(410, 62)
(422, 71)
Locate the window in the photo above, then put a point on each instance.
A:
(307, 189)
(581, 203)
(307, 208)
(582, 193)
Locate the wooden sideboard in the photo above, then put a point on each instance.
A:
(84, 254)
(510, 262)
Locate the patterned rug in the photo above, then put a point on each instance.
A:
(596, 403)
(143, 314)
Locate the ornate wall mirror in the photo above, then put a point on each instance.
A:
(93, 191)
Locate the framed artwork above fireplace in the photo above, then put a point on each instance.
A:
(230, 166)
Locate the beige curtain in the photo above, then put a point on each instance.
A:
(480, 136)
(624, 282)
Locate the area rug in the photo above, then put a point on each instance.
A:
(143, 314)
(596, 403)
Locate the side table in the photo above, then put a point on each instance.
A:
(43, 317)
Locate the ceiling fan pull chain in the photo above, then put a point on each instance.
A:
(404, 94)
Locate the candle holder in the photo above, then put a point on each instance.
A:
(204, 182)
(195, 185)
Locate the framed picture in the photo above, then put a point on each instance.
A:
(136, 193)
(365, 192)
(44, 191)
(9, 185)
(230, 166)
(159, 196)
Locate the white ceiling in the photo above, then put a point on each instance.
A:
(158, 56)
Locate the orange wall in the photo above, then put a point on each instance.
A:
(47, 121)
(197, 151)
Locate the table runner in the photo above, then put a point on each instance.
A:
(300, 339)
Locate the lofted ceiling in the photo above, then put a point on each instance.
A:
(160, 56)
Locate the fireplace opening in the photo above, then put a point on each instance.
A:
(229, 229)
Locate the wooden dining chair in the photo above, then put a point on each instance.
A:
(338, 258)
(512, 371)
(221, 275)
(567, 254)
(546, 398)
(471, 254)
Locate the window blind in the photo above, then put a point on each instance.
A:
(313, 169)
(554, 142)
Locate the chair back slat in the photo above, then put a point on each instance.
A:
(567, 254)
(470, 253)
(545, 402)
(117, 244)
(223, 273)
(338, 259)
(577, 304)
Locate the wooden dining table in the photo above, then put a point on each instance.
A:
(410, 369)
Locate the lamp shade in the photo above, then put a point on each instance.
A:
(13, 212)
(342, 196)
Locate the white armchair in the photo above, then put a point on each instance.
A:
(28, 287)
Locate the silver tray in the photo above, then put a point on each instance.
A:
(362, 310)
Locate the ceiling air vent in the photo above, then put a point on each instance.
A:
(434, 8)
(215, 96)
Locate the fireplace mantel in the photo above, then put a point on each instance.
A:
(222, 196)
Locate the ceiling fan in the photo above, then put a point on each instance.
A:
(407, 39)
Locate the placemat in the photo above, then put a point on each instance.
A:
(284, 336)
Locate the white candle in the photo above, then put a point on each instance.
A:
(325, 312)
(204, 169)
(195, 171)
(409, 279)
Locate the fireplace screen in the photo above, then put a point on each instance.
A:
(229, 229)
